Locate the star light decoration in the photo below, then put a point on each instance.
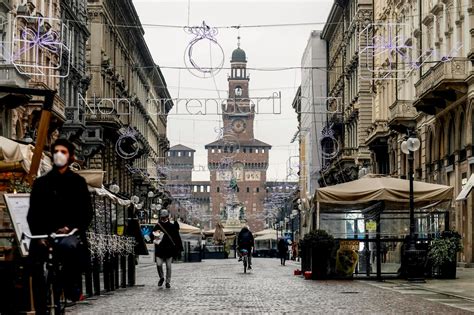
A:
(40, 47)
(391, 52)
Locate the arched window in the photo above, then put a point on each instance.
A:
(462, 134)
(451, 138)
(441, 148)
(429, 148)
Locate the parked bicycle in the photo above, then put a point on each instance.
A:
(55, 298)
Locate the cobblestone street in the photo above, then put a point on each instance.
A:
(220, 286)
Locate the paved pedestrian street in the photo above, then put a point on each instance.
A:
(220, 286)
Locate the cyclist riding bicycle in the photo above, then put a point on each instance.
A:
(245, 241)
(59, 203)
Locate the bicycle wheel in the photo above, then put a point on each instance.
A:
(56, 296)
(245, 264)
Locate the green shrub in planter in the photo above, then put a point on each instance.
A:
(321, 244)
(443, 251)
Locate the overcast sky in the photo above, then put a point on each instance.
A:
(266, 47)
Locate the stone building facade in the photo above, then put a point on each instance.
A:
(126, 104)
(73, 87)
(191, 199)
(237, 161)
(20, 113)
(312, 112)
(350, 97)
(428, 91)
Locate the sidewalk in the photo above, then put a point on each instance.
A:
(462, 286)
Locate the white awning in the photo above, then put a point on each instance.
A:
(104, 192)
(466, 189)
(11, 151)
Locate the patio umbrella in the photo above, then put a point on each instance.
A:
(219, 235)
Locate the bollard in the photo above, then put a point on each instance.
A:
(131, 270)
(96, 276)
(123, 269)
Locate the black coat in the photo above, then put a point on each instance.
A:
(245, 238)
(58, 200)
(168, 247)
(282, 247)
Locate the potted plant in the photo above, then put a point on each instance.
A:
(321, 244)
(443, 253)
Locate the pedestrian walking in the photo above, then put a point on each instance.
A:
(59, 203)
(167, 245)
(282, 250)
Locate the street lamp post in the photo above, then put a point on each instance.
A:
(149, 196)
(415, 258)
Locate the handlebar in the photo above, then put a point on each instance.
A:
(52, 235)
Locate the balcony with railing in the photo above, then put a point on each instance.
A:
(347, 154)
(10, 76)
(442, 85)
(402, 115)
(378, 129)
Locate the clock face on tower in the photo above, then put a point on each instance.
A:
(238, 125)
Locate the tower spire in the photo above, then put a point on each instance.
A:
(238, 41)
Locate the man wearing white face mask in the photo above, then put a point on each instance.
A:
(59, 202)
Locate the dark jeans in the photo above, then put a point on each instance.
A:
(249, 253)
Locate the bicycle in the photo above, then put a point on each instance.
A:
(245, 258)
(55, 298)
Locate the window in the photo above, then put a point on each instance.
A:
(212, 150)
(245, 149)
(218, 189)
(169, 153)
(208, 188)
(202, 188)
(250, 150)
(256, 150)
(190, 154)
(180, 153)
(248, 189)
(195, 188)
(257, 189)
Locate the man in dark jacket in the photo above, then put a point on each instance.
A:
(167, 245)
(245, 241)
(59, 202)
(282, 250)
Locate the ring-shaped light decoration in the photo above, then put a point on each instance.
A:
(203, 32)
(129, 134)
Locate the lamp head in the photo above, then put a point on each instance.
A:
(404, 147)
(413, 144)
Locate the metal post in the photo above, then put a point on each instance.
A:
(412, 202)
(123, 268)
(415, 258)
(131, 270)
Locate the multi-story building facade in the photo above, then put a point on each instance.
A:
(237, 161)
(310, 103)
(126, 104)
(350, 105)
(24, 65)
(191, 199)
(73, 87)
(427, 90)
